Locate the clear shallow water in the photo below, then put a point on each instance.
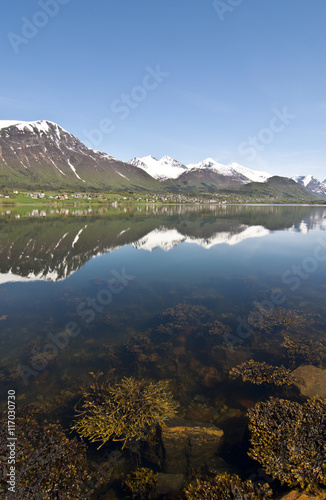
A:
(110, 278)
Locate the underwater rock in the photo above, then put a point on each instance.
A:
(188, 444)
(298, 495)
(246, 403)
(199, 414)
(217, 465)
(110, 495)
(211, 378)
(169, 483)
(310, 380)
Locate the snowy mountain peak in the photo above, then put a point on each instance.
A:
(165, 168)
(8, 123)
(41, 152)
(40, 126)
(233, 170)
(253, 175)
(208, 163)
(312, 184)
(303, 179)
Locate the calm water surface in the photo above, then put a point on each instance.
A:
(178, 293)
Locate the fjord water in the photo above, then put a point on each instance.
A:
(188, 278)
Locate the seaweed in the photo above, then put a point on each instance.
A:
(259, 373)
(289, 440)
(299, 352)
(227, 487)
(48, 464)
(123, 411)
(141, 484)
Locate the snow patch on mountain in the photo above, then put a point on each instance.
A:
(122, 175)
(74, 171)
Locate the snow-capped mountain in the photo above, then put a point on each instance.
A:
(312, 184)
(232, 170)
(168, 168)
(165, 168)
(43, 154)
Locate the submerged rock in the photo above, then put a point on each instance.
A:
(184, 444)
(189, 444)
(199, 414)
(298, 495)
(169, 483)
(310, 380)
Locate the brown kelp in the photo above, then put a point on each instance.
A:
(226, 487)
(289, 440)
(48, 464)
(309, 352)
(123, 411)
(280, 319)
(141, 484)
(260, 372)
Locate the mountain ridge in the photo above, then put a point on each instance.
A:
(42, 155)
(168, 168)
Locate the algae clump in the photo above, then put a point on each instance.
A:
(289, 440)
(142, 484)
(226, 487)
(259, 373)
(124, 411)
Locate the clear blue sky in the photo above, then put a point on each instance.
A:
(227, 70)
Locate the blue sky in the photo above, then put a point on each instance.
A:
(236, 80)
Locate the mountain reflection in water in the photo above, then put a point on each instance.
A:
(52, 249)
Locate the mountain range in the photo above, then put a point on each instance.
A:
(42, 155)
(168, 168)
